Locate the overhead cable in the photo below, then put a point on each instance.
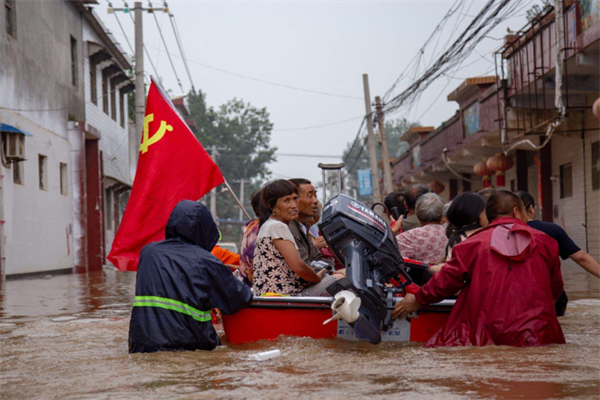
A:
(180, 45)
(168, 54)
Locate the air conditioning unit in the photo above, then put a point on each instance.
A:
(14, 149)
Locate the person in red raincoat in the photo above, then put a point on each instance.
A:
(509, 277)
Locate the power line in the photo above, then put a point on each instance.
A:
(488, 18)
(179, 44)
(168, 54)
(316, 126)
(262, 80)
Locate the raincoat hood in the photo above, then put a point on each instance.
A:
(511, 239)
(192, 222)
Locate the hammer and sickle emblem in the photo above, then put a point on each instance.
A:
(147, 140)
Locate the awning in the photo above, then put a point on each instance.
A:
(10, 128)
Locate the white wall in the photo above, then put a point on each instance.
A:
(38, 226)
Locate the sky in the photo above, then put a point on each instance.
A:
(315, 47)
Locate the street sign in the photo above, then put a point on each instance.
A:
(365, 184)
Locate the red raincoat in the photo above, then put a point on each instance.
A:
(509, 277)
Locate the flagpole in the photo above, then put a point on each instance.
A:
(236, 199)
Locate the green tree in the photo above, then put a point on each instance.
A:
(357, 156)
(242, 133)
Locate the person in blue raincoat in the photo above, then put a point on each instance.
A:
(178, 282)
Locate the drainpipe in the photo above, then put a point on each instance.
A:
(2, 222)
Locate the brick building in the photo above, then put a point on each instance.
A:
(515, 113)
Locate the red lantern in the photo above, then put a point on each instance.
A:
(481, 169)
(500, 163)
(596, 108)
(437, 187)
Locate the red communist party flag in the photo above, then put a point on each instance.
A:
(172, 166)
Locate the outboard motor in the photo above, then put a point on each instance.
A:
(366, 245)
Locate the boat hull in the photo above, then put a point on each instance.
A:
(268, 318)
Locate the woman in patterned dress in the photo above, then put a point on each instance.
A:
(278, 267)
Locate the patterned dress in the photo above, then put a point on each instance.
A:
(426, 244)
(271, 272)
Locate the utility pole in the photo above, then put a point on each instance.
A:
(241, 214)
(213, 193)
(388, 184)
(140, 92)
(371, 142)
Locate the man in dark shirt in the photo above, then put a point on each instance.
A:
(307, 207)
(411, 195)
(567, 248)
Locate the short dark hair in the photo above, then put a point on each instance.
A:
(255, 202)
(395, 199)
(269, 194)
(501, 203)
(526, 198)
(486, 193)
(300, 181)
(413, 193)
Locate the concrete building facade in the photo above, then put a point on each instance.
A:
(45, 202)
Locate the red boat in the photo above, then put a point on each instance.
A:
(360, 308)
(267, 318)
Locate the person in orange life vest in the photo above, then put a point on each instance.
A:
(509, 277)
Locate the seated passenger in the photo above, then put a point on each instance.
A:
(308, 207)
(394, 204)
(428, 242)
(246, 271)
(509, 277)
(411, 195)
(278, 267)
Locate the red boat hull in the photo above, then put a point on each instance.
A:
(269, 319)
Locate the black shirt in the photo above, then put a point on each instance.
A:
(566, 246)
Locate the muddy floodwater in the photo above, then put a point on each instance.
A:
(66, 337)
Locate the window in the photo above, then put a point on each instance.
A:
(64, 182)
(73, 61)
(105, 91)
(566, 180)
(19, 173)
(9, 11)
(596, 166)
(122, 107)
(43, 171)
(93, 81)
(113, 100)
(108, 208)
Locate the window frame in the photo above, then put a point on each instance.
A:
(74, 69)
(105, 91)
(10, 18)
(113, 100)
(566, 186)
(19, 173)
(64, 178)
(93, 81)
(43, 172)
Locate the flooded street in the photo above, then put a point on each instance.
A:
(66, 337)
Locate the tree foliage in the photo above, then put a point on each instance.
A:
(242, 134)
(393, 131)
